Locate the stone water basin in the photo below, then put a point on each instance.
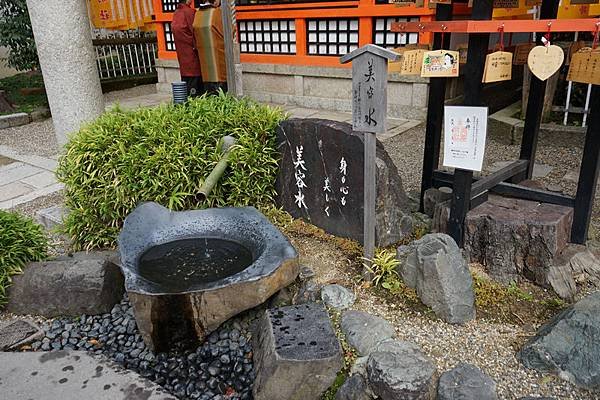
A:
(188, 272)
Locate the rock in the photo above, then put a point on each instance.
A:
(296, 353)
(71, 375)
(513, 237)
(282, 298)
(318, 154)
(436, 269)
(16, 333)
(536, 398)
(433, 197)
(365, 331)
(87, 283)
(399, 370)
(337, 296)
(354, 388)
(309, 292)
(574, 265)
(51, 217)
(569, 344)
(466, 382)
(179, 308)
(306, 273)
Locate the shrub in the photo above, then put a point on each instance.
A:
(163, 155)
(21, 241)
(17, 35)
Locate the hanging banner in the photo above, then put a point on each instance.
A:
(465, 130)
(440, 63)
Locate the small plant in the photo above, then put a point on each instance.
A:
(487, 292)
(382, 266)
(21, 241)
(16, 34)
(519, 293)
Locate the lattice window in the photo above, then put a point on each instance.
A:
(169, 5)
(384, 37)
(332, 37)
(169, 38)
(268, 37)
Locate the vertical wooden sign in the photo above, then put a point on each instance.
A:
(369, 110)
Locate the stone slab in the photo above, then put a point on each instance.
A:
(75, 375)
(16, 333)
(41, 180)
(296, 353)
(18, 173)
(37, 193)
(539, 170)
(12, 190)
(51, 217)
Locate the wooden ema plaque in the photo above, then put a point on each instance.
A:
(585, 66)
(506, 3)
(412, 61)
(440, 63)
(544, 61)
(498, 67)
(522, 52)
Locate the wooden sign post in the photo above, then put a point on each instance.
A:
(369, 111)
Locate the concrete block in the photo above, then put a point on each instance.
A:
(51, 217)
(299, 88)
(400, 93)
(420, 94)
(172, 75)
(271, 83)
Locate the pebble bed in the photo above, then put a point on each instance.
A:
(221, 368)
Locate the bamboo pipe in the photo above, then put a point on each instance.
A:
(226, 143)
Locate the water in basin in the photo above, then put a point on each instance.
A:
(181, 264)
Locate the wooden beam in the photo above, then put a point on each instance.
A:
(442, 178)
(488, 182)
(463, 179)
(435, 110)
(227, 18)
(541, 25)
(535, 106)
(588, 175)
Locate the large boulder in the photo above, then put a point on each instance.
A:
(296, 353)
(399, 370)
(466, 382)
(434, 266)
(569, 344)
(85, 283)
(321, 179)
(365, 331)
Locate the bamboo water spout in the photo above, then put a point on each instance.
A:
(226, 143)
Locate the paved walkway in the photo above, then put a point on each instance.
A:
(24, 178)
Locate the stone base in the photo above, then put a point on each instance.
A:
(296, 353)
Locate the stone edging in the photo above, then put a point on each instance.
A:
(18, 119)
(502, 123)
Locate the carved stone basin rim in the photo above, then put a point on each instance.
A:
(151, 225)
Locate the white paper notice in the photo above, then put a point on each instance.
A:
(465, 129)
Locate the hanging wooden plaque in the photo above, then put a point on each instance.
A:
(544, 61)
(574, 2)
(412, 60)
(585, 67)
(498, 67)
(530, 3)
(440, 63)
(463, 52)
(522, 52)
(506, 3)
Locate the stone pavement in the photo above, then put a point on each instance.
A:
(24, 178)
(75, 375)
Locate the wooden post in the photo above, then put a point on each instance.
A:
(535, 105)
(435, 109)
(478, 46)
(588, 174)
(369, 112)
(229, 47)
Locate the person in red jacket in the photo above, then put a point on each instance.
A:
(185, 46)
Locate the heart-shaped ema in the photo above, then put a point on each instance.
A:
(545, 61)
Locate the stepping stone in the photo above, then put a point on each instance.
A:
(51, 217)
(71, 375)
(337, 296)
(466, 381)
(17, 333)
(572, 176)
(296, 353)
(365, 331)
